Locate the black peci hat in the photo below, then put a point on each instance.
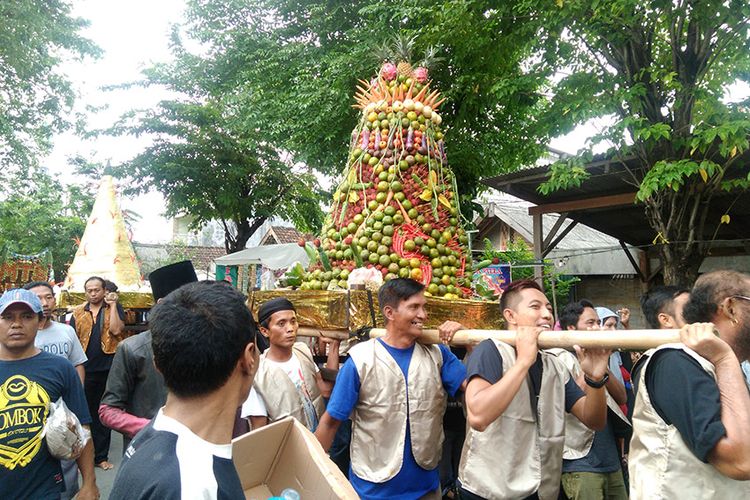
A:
(169, 278)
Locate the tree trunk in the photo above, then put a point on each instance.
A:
(243, 231)
(682, 250)
(680, 265)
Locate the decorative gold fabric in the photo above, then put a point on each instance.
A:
(128, 300)
(333, 310)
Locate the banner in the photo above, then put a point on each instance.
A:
(492, 280)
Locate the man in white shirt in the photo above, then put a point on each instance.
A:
(203, 339)
(299, 394)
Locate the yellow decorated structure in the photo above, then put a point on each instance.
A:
(105, 250)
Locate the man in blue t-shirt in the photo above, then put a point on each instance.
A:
(396, 391)
(597, 473)
(31, 379)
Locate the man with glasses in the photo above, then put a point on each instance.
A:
(691, 421)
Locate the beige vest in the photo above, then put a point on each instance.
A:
(521, 452)
(578, 437)
(379, 420)
(279, 393)
(660, 463)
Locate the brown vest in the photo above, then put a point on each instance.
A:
(578, 437)
(520, 452)
(85, 325)
(279, 393)
(661, 465)
(380, 418)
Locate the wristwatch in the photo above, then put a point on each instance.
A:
(596, 384)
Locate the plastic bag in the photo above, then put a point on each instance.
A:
(65, 435)
(370, 277)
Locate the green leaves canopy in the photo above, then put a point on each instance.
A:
(36, 98)
(208, 163)
(41, 214)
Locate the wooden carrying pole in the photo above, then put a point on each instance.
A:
(625, 340)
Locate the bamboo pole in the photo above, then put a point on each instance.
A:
(625, 340)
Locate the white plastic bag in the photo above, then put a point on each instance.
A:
(65, 435)
(370, 277)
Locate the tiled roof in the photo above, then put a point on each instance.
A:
(283, 234)
(201, 256)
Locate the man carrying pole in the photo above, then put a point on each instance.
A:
(516, 399)
(691, 421)
(396, 391)
(288, 381)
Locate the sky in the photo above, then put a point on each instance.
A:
(133, 35)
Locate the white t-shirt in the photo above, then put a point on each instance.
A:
(167, 460)
(254, 406)
(61, 339)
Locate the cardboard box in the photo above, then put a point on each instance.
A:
(284, 455)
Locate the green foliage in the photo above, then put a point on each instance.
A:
(660, 70)
(518, 253)
(36, 99)
(565, 175)
(40, 213)
(210, 159)
(292, 68)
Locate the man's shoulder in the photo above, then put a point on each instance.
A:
(362, 349)
(152, 450)
(53, 361)
(137, 342)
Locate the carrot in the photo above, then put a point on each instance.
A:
(411, 88)
(421, 94)
(434, 106)
(403, 212)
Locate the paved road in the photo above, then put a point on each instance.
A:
(104, 479)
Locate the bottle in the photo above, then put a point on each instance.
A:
(290, 494)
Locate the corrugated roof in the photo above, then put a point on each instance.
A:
(583, 251)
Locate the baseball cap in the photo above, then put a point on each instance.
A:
(20, 296)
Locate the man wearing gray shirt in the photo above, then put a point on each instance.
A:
(61, 340)
(53, 337)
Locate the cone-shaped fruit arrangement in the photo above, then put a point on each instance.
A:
(397, 207)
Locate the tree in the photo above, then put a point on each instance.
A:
(41, 214)
(295, 64)
(36, 99)
(210, 160)
(661, 69)
(516, 74)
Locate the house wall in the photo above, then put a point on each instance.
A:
(613, 293)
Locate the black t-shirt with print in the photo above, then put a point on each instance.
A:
(27, 386)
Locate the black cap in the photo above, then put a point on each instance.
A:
(273, 306)
(169, 278)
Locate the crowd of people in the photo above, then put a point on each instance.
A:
(404, 420)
